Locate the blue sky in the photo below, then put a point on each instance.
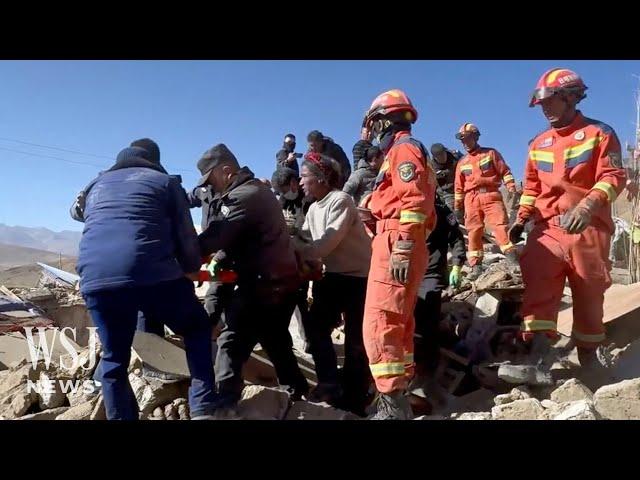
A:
(98, 107)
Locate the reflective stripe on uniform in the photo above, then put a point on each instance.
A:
(476, 253)
(593, 338)
(538, 325)
(540, 156)
(508, 178)
(608, 189)
(466, 167)
(384, 369)
(408, 216)
(458, 196)
(485, 160)
(527, 200)
(506, 247)
(580, 153)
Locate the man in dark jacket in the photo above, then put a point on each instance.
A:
(318, 143)
(363, 178)
(253, 234)
(444, 162)
(137, 245)
(286, 156)
(447, 234)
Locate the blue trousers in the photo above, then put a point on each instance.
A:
(174, 303)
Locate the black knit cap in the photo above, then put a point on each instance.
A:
(151, 147)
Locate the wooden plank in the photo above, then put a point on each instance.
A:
(618, 301)
(5, 291)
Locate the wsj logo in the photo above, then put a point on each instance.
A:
(39, 348)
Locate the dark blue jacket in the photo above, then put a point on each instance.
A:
(138, 231)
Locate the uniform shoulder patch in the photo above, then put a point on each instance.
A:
(407, 171)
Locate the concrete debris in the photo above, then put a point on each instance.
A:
(317, 411)
(263, 403)
(50, 394)
(527, 409)
(570, 391)
(475, 416)
(50, 414)
(578, 410)
(99, 412)
(83, 411)
(153, 393)
(171, 412)
(158, 413)
(627, 362)
(619, 401)
(518, 393)
(159, 355)
(548, 404)
(17, 403)
(431, 417)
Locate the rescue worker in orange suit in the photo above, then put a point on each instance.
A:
(479, 175)
(402, 204)
(573, 174)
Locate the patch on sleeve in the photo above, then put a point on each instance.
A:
(407, 171)
(615, 158)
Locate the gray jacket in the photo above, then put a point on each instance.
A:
(361, 182)
(250, 227)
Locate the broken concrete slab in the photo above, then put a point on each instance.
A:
(160, 355)
(79, 412)
(263, 403)
(13, 350)
(431, 417)
(577, 410)
(627, 362)
(50, 394)
(50, 414)
(518, 393)
(99, 412)
(152, 393)
(570, 391)
(527, 409)
(475, 416)
(317, 411)
(18, 403)
(75, 316)
(619, 401)
(548, 404)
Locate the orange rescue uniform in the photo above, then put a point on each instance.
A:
(477, 182)
(564, 166)
(403, 205)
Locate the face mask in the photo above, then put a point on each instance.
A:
(290, 195)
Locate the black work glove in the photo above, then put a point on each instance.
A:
(459, 216)
(515, 233)
(400, 260)
(577, 220)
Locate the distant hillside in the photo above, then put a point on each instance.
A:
(65, 242)
(18, 265)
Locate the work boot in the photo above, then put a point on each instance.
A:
(512, 258)
(393, 406)
(597, 364)
(476, 271)
(326, 392)
(535, 369)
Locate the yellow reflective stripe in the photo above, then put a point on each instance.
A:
(538, 325)
(540, 156)
(475, 253)
(382, 369)
(506, 247)
(584, 337)
(485, 160)
(384, 167)
(527, 200)
(466, 167)
(508, 178)
(407, 216)
(578, 150)
(458, 196)
(408, 358)
(608, 189)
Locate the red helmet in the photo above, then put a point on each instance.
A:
(465, 129)
(389, 102)
(555, 81)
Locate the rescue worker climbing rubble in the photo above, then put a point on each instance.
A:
(573, 174)
(479, 175)
(403, 205)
